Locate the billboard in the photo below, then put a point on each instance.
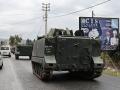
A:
(105, 29)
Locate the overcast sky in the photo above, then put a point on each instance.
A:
(24, 17)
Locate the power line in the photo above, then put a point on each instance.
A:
(15, 14)
(81, 9)
(28, 20)
(21, 12)
(21, 22)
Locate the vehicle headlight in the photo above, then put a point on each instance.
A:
(97, 60)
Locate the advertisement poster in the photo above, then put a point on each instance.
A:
(105, 29)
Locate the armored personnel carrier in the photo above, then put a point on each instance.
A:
(60, 50)
(23, 50)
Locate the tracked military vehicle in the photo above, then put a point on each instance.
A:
(23, 50)
(60, 50)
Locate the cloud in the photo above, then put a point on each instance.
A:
(25, 17)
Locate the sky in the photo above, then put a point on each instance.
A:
(25, 17)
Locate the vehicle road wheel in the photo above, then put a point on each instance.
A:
(89, 76)
(45, 75)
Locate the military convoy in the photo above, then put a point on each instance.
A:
(60, 50)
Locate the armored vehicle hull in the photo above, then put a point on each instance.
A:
(61, 51)
(23, 50)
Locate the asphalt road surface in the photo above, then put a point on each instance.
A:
(17, 75)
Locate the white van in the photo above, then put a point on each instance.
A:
(5, 50)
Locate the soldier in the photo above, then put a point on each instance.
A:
(79, 33)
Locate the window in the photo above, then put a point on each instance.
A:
(4, 48)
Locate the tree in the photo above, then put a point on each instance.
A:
(17, 39)
(2, 42)
(14, 40)
(29, 42)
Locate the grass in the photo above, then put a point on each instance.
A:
(109, 62)
(112, 72)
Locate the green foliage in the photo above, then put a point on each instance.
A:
(111, 55)
(104, 56)
(115, 55)
(29, 42)
(17, 39)
(112, 72)
(14, 40)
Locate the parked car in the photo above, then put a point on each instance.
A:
(5, 50)
(1, 62)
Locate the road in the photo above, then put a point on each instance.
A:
(17, 75)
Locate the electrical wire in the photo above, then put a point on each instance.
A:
(15, 14)
(24, 21)
(81, 9)
(61, 15)
(21, 22)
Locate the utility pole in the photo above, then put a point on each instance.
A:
(46, 8)
(93, 14)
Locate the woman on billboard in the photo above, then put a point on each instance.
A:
(114, 39)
